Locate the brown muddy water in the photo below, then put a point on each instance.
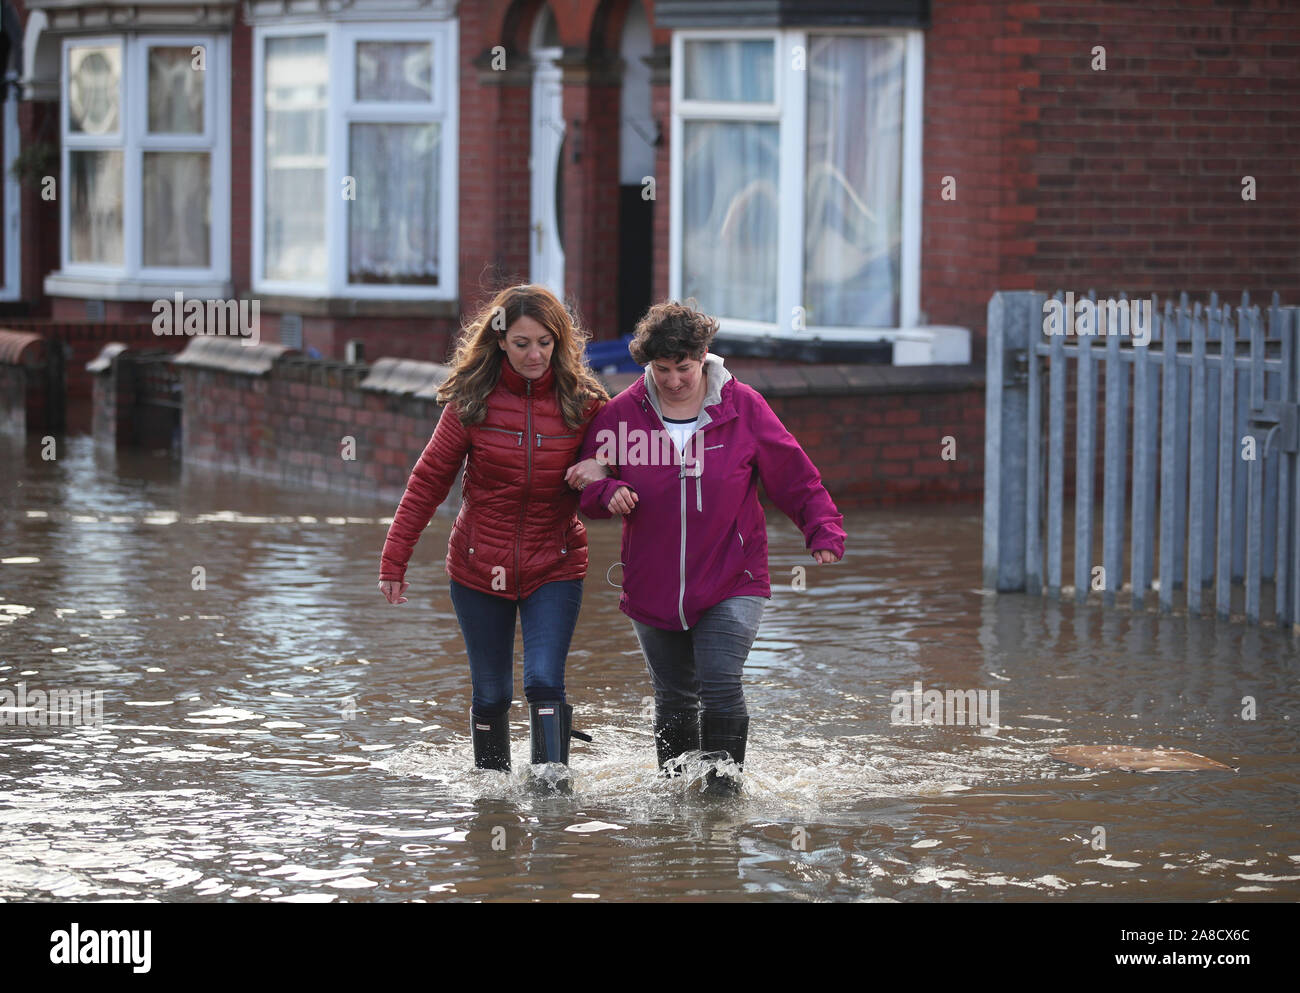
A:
(283, 734)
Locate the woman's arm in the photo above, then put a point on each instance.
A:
(794, 484)
(596, 495)
(427, 487)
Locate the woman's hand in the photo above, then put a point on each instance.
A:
(389, 588)
(622, 502)
(584, 473)
(824, 556)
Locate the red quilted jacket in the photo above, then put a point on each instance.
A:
(516, 528)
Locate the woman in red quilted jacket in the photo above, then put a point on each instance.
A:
(518, 402)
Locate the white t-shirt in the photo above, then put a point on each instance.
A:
(681, 430)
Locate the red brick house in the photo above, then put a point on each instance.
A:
(836, 180)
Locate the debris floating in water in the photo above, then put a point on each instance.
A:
(1134, 759)
(591, 826)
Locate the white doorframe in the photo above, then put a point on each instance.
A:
(545, 250)
(11, 278)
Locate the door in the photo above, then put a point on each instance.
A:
(546, 229)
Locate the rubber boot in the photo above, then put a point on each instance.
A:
(491, 741)
(723, 738)
(676, 731)
(550, 723)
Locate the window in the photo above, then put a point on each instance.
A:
(355, 176)
(145, 160)
(798, 205)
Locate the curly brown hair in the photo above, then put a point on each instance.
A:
(672, 330)
(476, 365)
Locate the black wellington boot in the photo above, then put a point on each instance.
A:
(723, 738)
(676, 731)
(551, 723)
(491, 741)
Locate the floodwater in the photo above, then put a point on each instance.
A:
(273, 730)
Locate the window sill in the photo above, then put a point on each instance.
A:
(61, 284)
(316, 306)
(928, 345)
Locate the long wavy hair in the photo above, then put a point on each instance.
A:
(476, 364)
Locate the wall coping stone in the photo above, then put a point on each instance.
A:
(104, 360)
(406, 377)
(21, 348)
(230, 354)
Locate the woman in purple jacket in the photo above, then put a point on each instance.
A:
(686, 447)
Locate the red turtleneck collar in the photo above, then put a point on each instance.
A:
(516, 383)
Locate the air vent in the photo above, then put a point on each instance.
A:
(291, 330)
(94, 310)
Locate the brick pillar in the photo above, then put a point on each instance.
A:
(38, 124)
(495, 133)
(113, 391)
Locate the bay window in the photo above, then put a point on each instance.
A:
(145, 165)
(796, 155)
(355, 170)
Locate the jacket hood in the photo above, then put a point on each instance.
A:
(716, 377)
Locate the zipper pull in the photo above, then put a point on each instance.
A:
(539, 441)
(519, 441)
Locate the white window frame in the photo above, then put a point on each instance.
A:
(789, 110)
(133, 277)
(342, 110)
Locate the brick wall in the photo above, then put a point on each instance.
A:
(82, 341)
(28, 379)
(13, 400)
(1127, 179)
(874, 432)
(289, 425)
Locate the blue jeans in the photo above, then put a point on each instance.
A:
(548, 614)
(701, 667)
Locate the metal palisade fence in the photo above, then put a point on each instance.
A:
(1200, 492)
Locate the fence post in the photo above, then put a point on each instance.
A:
(1010, 316)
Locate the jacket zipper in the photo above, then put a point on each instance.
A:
(528, 483)
(681, 588)
(699, 506)
(550, 436)
(519, 435)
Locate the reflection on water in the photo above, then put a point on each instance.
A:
(273, 730)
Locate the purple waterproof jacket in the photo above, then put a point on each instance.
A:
(698, 535)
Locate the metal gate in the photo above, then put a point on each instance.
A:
(156, 419)
(1198, 471)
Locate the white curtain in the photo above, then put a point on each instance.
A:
(392, 223)
(740, 71)
(177, 188)
(730, 183)
(389, 71)
(852, 221)
(729, 217)
(175, 91)
(297, 99)
(95, 211)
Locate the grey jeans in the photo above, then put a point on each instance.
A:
(701, 667)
